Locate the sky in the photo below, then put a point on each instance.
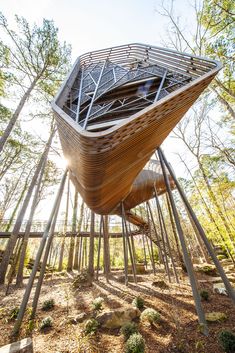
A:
(96, 24)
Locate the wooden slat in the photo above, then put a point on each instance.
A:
(104, 164)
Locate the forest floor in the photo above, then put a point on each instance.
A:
(178, 331)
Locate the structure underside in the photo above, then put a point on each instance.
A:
(115, 109)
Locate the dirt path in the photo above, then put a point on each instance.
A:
(178, 331)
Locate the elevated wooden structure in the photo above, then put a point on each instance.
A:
(116, 107)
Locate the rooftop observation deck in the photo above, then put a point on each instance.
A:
(116, 108)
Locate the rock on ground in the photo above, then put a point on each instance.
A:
(219, 288)
(23, 346)
(117, 318)
(215, 316)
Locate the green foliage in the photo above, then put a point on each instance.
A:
(227, 341)
(98, 303)
(36, 53)
(204, 294)
(47, 322)
(138, 302)
(150, 315)
(91, 327)
(48, 304)
(135, 344)
(27, 257)
(4, 61)
(14, 313)
(221, 257)
(30, 326)
(128, 329)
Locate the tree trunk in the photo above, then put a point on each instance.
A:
(13, 238)
(19, 278)
(208, 211)
(91, 248)
(74, 226)
(38, 257)
(65, 229)
(106, 247)
(230, 289)
(187, 259)
(217, 206)
(45, 258)
(75, 266)
(18, 204)
(16, 114)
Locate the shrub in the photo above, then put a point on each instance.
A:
(138, 302)
(221, 257)
(135, 344)
(48, 304)
(91, 326)
(227, 341)
(209, 270)
(14, 313)
(46, 322)
(128, 329)
(97, 303)
(150, 315)
(204, 294)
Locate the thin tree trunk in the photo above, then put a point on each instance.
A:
(99, 248)
(210, 215)
(72, 239)
(106, 247)
(181, 261)
(45, 258)
(76, 251)
(18, 204)
(38, 257)
(19, 278)
(16, 114)
(145, 257)
(230, 289)
(217, 206)
(9, 196)
(13, 238)
(208, 211)
(91, 248)
(187, 259)
(80, 254)
(65, 229)
(199, 240)
(164, 231)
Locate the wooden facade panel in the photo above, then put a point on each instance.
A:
(103, 165)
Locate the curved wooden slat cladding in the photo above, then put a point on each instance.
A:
(143, 189)
(105, 159)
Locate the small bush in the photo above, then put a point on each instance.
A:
(91, 326)
(135, 344)
(204, 295)
(128, 329)
(48, 304)
(150, 315)
(14, 313)
(227, 341)
(138, 302)
(98, 303)
(46, 322)
(221, 257)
